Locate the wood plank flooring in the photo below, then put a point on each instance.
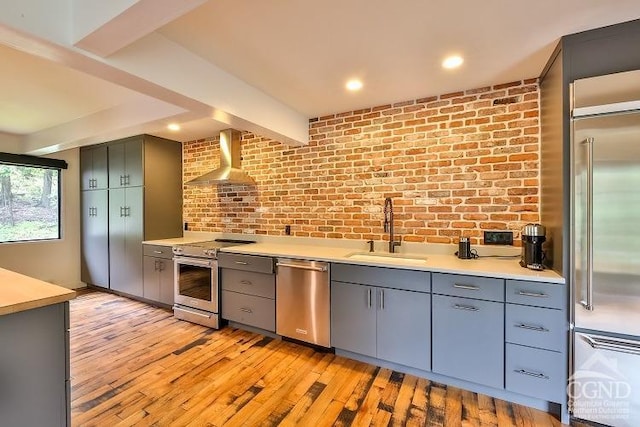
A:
(133, 364)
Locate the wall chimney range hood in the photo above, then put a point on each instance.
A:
(229, 171)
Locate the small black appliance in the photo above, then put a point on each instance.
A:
(533, 236)
(464, 248)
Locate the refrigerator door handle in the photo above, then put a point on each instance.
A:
(588, 302)
(602, 343)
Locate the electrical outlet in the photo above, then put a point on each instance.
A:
(186, 226)
(287, 230)
(498, 237)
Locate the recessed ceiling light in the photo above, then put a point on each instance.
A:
(354, 85)
(452, 62)
(173, 126)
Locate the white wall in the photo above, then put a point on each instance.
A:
(54, 261)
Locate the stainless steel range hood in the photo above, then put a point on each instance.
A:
(229, 171)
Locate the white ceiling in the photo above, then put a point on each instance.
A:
(263, 66)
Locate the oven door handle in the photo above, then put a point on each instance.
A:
(194, 261)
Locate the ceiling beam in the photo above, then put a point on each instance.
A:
(103, 28)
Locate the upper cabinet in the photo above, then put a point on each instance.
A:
(93, 168)
(126, 163)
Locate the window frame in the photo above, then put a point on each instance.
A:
(23, 160)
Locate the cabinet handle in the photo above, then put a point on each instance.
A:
(127, 180)
(155, 265)
(246, 282)
(157, 252)
(465, 307)
(531, 374)
(121, 180)
(246, 310)
(381, 300)
(160, 265)
(121, 211)
(242, 263)
(532, 294)
(466, 287)
(369, 297)
(531, 327)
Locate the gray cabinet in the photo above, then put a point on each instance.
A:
(95, 238)
(126, 163)
(386, 321)
(93, 168)
(536, 337)
(126, 231)
(144, 203)
(248, 285)
(34, 361)
(468, 339)
(468, 328)
(158, 274)
(353, 318)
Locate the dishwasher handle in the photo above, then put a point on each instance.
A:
(301, 266)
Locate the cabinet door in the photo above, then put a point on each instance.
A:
(125, 164)
(126, 231)
(116, 166)
(95, 238)
(133, 162)
(151, 279)
(353, 318)
(165, 277)
(93, 168)
(468, 339)
(404, 327)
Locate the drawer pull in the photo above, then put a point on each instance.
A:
(532, 328)
(531, 374)
(246, 310)
(465, 307)
(246, 282)
(157, 252)
(242, 263)
(532, 294)
(467, 287)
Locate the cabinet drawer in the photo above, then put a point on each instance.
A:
(486, 288)
(158, 251)
(535, 372)
(538, 294)
(468, 339)
(259, 264)
(249, 310)
(248, 282)
(536, 327)
(419, 281)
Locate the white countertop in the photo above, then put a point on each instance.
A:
(426, 257)
(507, 268)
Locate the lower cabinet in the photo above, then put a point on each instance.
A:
(157, 284)
(468, 339)
(248, 286)
(389, 324)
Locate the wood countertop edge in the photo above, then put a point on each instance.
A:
(37, 303)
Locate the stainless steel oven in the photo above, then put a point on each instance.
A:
(196, 290)
(196, 283)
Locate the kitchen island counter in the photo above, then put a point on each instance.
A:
(19, 293)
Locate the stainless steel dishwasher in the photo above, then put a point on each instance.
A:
(302, 301)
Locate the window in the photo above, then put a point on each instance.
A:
(29, 198)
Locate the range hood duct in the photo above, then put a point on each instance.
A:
(229, 171)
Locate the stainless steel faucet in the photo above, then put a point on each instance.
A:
(388, 224)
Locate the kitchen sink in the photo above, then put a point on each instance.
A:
(382, 256)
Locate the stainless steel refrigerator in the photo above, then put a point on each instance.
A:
(605, 380)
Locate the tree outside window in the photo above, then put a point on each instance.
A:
(29, 203)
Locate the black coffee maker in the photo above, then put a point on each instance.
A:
(533, 236)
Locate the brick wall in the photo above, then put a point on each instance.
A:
(454, 164)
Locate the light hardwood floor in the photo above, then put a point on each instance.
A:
(133, 364)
